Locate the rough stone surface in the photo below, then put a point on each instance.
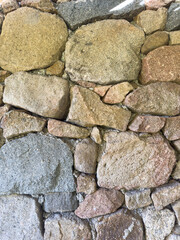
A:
(101, 90)
(1, 93)
(174, 37)
(2, 139)
(117, 93)
(45, 96)
(85, 156)
(138, 198)
(18, 54)
(149, 124)
(37, 164)
(3, 75)
(156, 98)
(9, 6)
(76, 13)
(151, 21)
(60, 202)
(15, 123)
(66, 226)
(176, 209)
(131, 161)
(154, 41)
(119, 225)
(92, 205)
(161, 65)
(93, 55)
(155, 4)
(20, 218)
(56, 69)
(1, 19)
(87, 110)
(177, 145)
(43, 5)
(176, 172)
(172, 128)
(166, 194)
(63, 129)
(173, 237)
(86, 184)
(96, 135)
(173, 20)
(158, 224)
(4, 109)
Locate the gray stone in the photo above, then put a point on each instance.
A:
(176, 208)
(176, 172)
(66, 227)
(36, 164)
(60, 202)
(79, 12)
(173, 20)
(158, 224)
(20, 218)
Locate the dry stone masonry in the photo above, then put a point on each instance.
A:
(89, 120)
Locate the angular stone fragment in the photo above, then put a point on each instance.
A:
(43, 5)
(63, 129)
(45, 96)
(76, 13)
(174, 37)
(96, 135)
(20, 218)
(93, 55)
(119, 225)
(92, 205)
(66, 226)
(101, 90)
(166, 194)
(137, 198)
(15, 123)
(85, 156)
(86, 184)
(117, 93)
(176, 172)
(151, 21)
(60, 202)
(154, 41)
(156, 98)
(161, 65)
(4, 109)
(155, 4)
(131, 161)
(56, 69)
(177, 145)
(9, 6)
(2, 139)
(176, 208)
(149, 124)
(87, 110)
(173, 20)
(46, 34)
(37, 164)
(158, 224)
(172, 128)
(1, 94)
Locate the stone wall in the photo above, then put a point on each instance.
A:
(90, 124)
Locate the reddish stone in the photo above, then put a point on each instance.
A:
(161, 65)
(101, 90)
(149, 124)
(172, 128)
(155, 4)
(101, 202)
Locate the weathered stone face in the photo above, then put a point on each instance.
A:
(92, 54)
(174, 37)
(172, 128)
(161, 65)
(66, 226)
(155, 4)
(156, 98)
(45, 96)
(176, 208)
(36, 164)
(131, 161)
(173, 20)
(43, 5)
(20, 218)
(119, 225)
(86, 184)
(88, 110)
(46, 34)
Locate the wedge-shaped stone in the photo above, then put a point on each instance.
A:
(31, 39)
(131, 161)
(172, 128)
(93, 55)
(156, 98)
(45, 96)
(87, 110)
(161, 65)
(36, 164)
(20, 218)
